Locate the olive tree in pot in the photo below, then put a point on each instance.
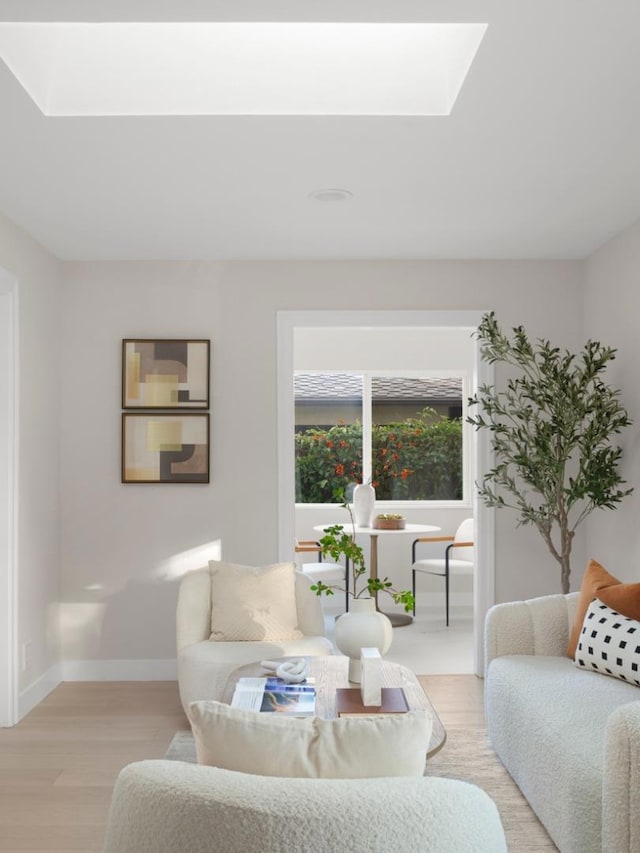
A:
(551, 432)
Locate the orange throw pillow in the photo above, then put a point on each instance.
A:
(598, 583)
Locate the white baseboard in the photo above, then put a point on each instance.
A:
(36, 692)
(120, 670)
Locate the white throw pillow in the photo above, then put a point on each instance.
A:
(253, 604)
(344, 748)
(609, 643)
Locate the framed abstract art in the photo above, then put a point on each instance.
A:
(165, 448)
(165, 373)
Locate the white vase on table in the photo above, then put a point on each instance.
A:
(362, 627)
(364, 502)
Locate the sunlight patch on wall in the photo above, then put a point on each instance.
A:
(185, 561)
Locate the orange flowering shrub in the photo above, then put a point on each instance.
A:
(416, 459)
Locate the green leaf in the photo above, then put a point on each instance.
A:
(551, 432)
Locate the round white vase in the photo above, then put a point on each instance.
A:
(362, 627)
(364, 503)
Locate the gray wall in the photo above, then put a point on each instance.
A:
(612, 315)
(38, 283)
(124, 546)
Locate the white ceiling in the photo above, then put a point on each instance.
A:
(539, 158)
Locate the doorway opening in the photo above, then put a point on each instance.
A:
(422, 340)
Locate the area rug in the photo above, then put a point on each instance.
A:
(182, 747)
(466, 755)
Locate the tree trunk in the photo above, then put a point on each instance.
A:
(563, 554)
(565, 571)
(566, 539)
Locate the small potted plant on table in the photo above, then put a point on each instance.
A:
(389, 521)
(363, 626)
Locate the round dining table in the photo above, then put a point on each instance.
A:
(397, 619)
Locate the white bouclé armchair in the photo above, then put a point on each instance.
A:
(205, 665)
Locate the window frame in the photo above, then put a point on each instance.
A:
(367, 423)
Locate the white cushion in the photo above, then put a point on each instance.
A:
(438, 566)
(609, 643)
(347, 748)
(253, 604)
(326, 572)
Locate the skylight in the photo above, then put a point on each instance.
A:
(110, 69)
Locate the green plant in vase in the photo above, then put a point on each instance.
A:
(338, 542)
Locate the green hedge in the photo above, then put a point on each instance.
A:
(417, 459)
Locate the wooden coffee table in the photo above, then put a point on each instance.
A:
(331, 671)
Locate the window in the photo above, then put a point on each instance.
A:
(402, 433)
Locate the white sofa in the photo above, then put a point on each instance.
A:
(204, 665)
(173, 807)
(570, 738)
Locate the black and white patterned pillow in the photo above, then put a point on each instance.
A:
(609, 643)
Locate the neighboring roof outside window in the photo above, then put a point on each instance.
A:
(344, 387)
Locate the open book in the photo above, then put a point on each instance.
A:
(273, 695)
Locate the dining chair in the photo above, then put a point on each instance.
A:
(462, 563)
(321, 570)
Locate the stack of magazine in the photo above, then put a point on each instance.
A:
(273, 695)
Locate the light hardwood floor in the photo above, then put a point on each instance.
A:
(58, 766)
